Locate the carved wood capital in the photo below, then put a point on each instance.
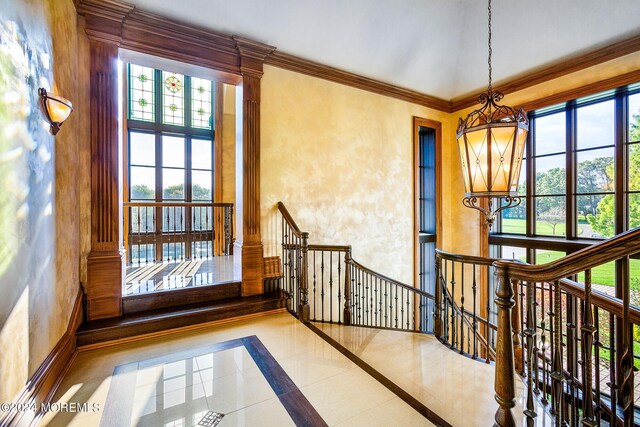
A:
(252, 55)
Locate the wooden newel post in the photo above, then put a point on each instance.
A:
(437, 312)
(304, 310)
(504, 383)
(347, 287)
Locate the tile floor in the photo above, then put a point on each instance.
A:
(457, 388)
(174, 380)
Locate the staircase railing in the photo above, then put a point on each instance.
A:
(464, 317)
(175, 231)
(576, 353)
(325, 284)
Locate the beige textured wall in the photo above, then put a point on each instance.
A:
(39, 317)
(341, 161)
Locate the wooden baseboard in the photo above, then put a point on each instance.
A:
(44, 383)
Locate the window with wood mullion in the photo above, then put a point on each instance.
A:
(161, 103)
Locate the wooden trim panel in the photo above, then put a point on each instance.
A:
(589, 89)
(44, 383)
(560, 68)
(303, 66)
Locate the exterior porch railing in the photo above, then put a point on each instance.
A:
(177, 231)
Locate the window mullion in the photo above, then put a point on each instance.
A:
(621, 163)
(530, 213)
(571, 172)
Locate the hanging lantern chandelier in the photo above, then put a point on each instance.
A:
(491, 143)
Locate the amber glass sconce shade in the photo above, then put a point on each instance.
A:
(56, 108)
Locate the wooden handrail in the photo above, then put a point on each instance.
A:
(467, 259)
(175, 204)
(329, 248)
(600, 300)
(289, 219)
(622, 245)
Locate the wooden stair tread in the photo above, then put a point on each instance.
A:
(130, 325)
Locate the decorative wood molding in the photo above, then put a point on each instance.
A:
(303, 66)
(105, 263)
(560, 68)
(125, 26)
(272, 267)
(122, 24)
(44, 383)
(589, 89)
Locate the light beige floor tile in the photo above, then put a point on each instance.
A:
(269, 413)
(392, 413)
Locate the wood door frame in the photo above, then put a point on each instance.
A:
(437, 127)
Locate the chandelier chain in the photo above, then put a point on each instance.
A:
(490, 51)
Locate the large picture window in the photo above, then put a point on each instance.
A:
(170, 163)
(581, 182)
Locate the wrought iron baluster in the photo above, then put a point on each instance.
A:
(597, 347)
(322, 284)
(474, 287)
(613, 388)
(588, 331)
(543, 338)
(339, 286)
(315, 311)
(454, 332)
(409, 311)
(461, 308)
(529, 333)
(330, 286)
(558, 371)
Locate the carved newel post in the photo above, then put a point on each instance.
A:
(504, 372)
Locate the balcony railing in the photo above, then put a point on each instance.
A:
(177, 231)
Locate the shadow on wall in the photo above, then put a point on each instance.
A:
(27, 251)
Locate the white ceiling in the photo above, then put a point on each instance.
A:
(437, 47)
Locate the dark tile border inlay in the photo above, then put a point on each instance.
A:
(393, 387)
(117, 410)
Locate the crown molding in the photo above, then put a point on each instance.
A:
(297, 64)
(120, 23)
(557, 69)
(586, 90)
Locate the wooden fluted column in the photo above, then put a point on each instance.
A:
(248, 241)
(105, 263)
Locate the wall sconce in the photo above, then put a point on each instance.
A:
(56, 108)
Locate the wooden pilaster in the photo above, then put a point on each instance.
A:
(105, 263)
(248, 240)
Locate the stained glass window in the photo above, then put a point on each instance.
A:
(172, 98)
(201, 91)
(141, 93)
